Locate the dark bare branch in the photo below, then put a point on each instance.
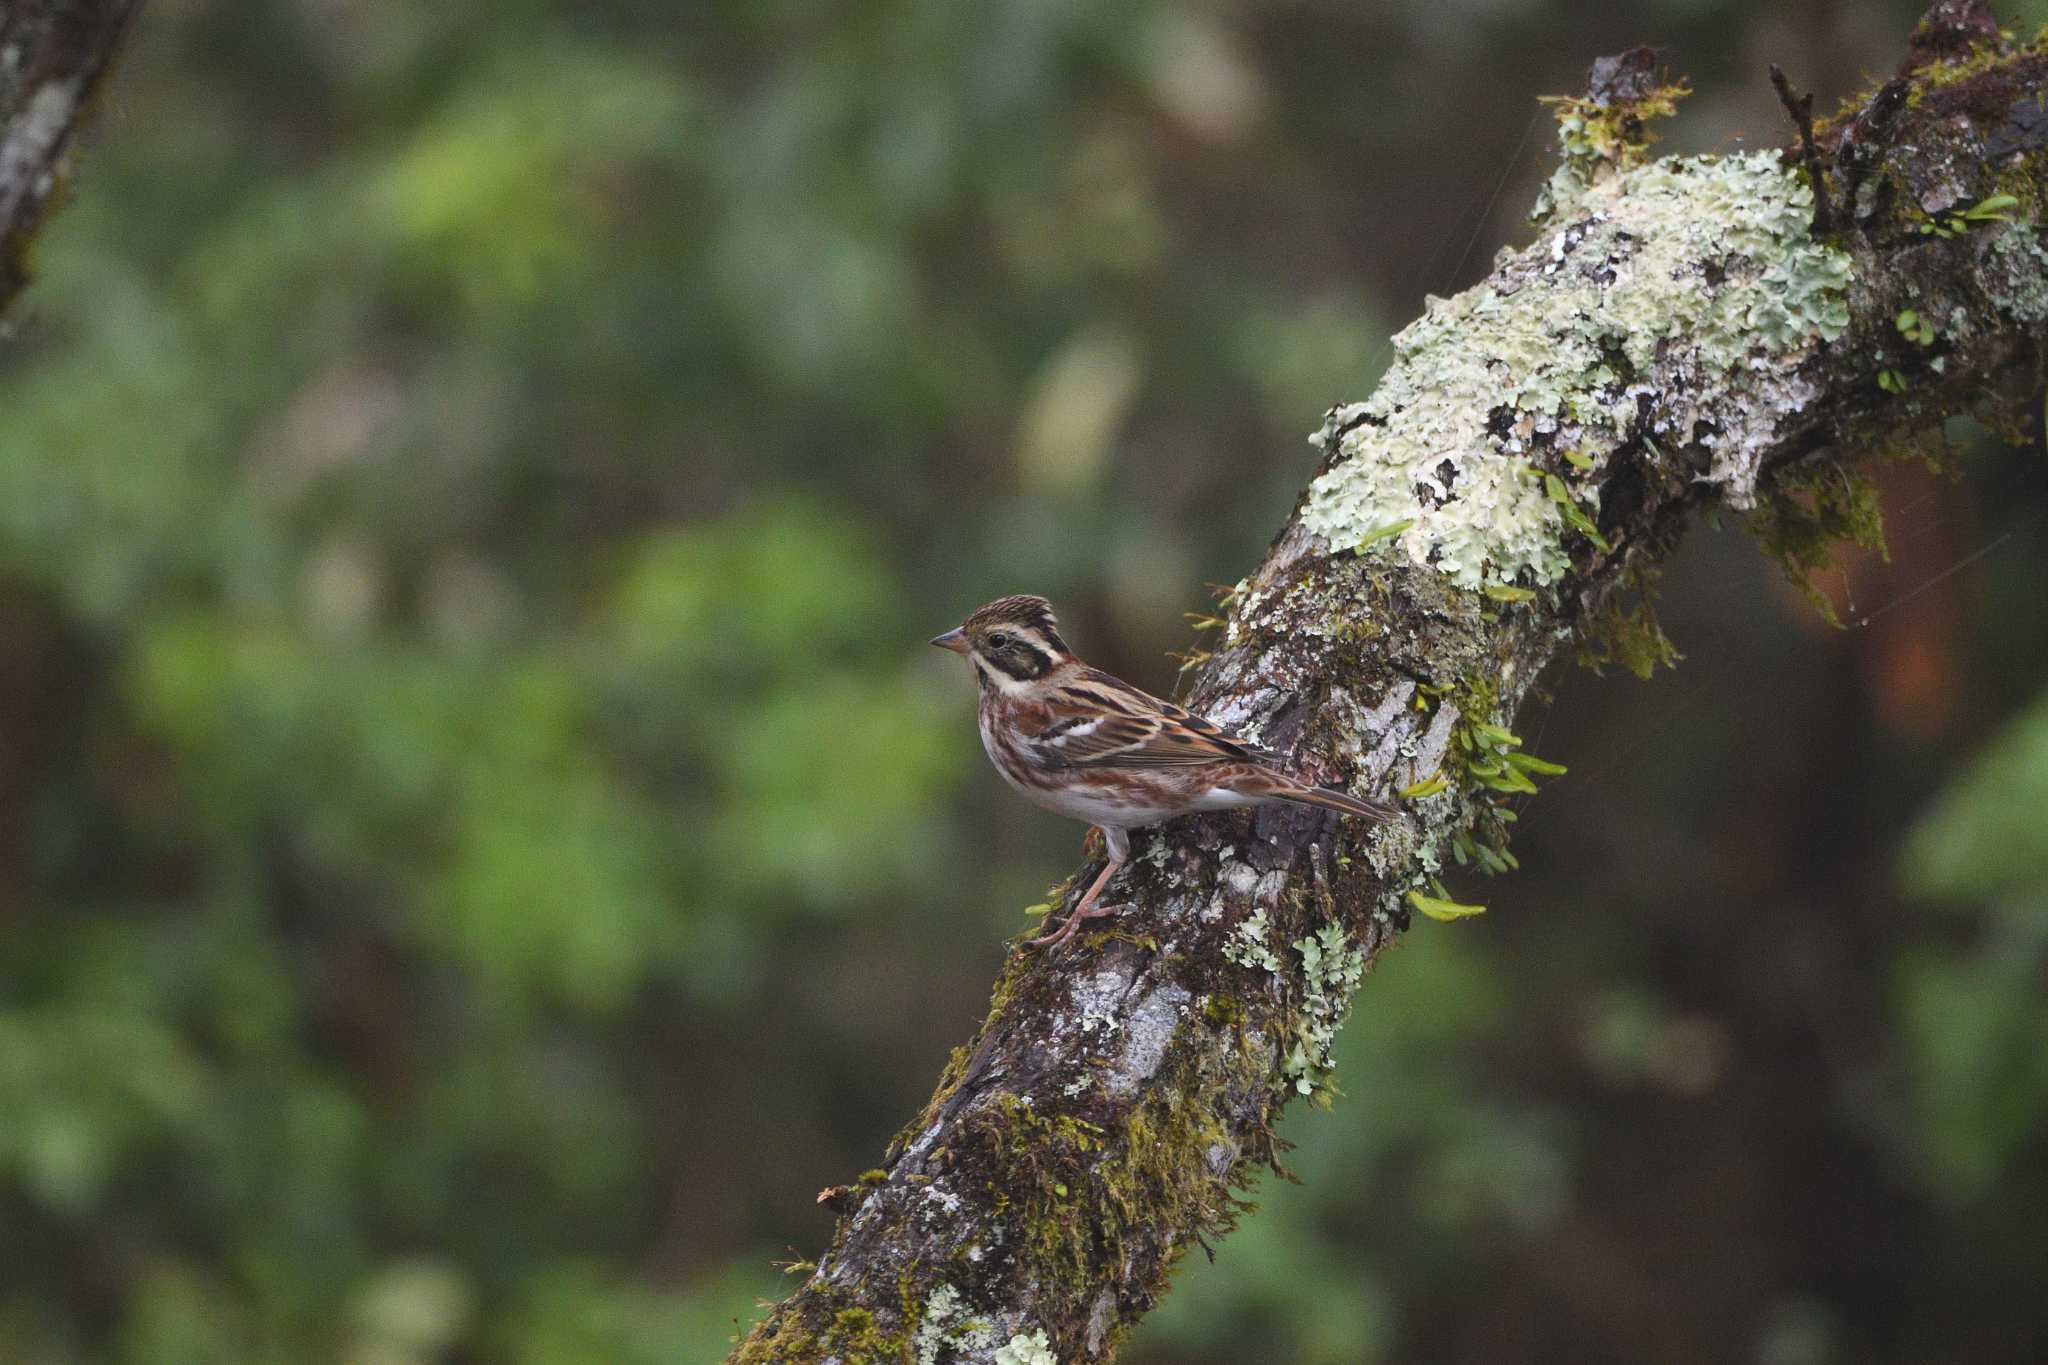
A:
(53, 57)
(1801, 109)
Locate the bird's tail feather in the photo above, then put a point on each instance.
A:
(1329, 798)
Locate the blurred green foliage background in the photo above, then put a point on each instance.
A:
(482, 840)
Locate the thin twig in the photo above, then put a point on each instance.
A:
(1801, 110)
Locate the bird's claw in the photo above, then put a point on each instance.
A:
(1067, 931)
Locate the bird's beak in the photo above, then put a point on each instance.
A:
(954, 639)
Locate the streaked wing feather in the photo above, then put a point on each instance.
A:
(1138, 741)
(1106, 723)
(1258, 753)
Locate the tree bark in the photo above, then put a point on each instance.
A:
(1683, 332)
(53, 56)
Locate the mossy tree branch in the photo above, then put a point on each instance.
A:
(1676, 337)
(53, 56)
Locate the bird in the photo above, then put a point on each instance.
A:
(1085, 744)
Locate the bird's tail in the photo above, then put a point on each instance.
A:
(1329, 798)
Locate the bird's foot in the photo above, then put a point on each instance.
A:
(1067, 931)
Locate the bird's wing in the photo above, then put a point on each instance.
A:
(1100, 722)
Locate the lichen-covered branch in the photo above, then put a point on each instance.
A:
(53, 54)
(1676, 335)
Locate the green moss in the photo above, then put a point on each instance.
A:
(1035, 1162)
(1223, 1011)
(1939, 75)
(1082, 1198)
(1597, 138)
(1806, 511)
(1626, 633)
(860, 1340)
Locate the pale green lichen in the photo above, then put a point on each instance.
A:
(1249, 944)
(1331, 969)
(1691, 281)
(2016, 273)
(945, 1326)
(1035, 1349)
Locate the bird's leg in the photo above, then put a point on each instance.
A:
(1086, 910)
(1119, 853)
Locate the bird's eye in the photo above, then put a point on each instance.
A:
(998, 641)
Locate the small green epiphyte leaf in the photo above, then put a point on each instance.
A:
(1574, 513)
(1428, 787)
(1992, 209)
(1583, 524)
(1380, 533)
(1509, 780)
(1442, 909)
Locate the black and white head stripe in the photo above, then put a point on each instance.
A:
(1021, 609)
(1017, 637)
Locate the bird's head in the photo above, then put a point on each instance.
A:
(1013, 641)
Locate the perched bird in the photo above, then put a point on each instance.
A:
(1084, 744)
